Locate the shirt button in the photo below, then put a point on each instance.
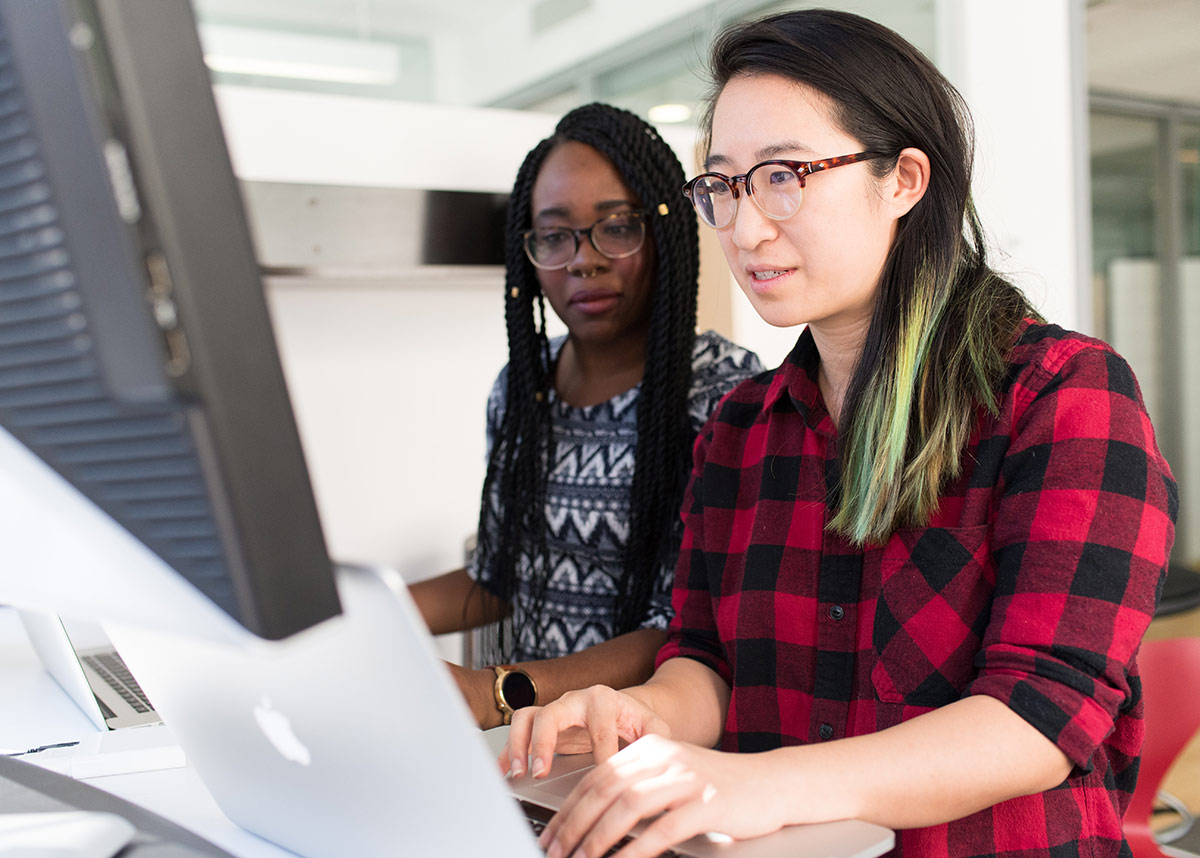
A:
(837, 612)
(825, 731)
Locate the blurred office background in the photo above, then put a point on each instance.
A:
(342, 114)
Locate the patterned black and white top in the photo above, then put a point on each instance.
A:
(587, 504)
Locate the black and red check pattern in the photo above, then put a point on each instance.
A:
(1033, 584)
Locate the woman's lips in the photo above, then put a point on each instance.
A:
(763, 280)
(595, 300)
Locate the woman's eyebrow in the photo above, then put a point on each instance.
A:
(713, 161)
(608, 205)
(562, 212)
(766, 153)
(551, 213)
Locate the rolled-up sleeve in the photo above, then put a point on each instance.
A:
(1083, 528)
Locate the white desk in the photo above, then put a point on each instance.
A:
(34, 711)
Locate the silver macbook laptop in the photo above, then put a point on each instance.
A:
(350, 738)
(90, 670)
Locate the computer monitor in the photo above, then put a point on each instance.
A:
(146, 435)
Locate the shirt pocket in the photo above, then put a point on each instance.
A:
(934, 604)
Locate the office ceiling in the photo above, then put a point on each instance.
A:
(1149, 48)
(364, 17)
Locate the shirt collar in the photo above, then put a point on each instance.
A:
(796, 379)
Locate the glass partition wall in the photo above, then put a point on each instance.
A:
(1145, 159)
(1189, 284)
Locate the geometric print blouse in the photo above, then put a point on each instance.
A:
(587, 505)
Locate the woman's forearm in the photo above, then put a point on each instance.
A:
(690, 698)
(453, 602)
(938, 767)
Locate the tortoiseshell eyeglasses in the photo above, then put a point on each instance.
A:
(776, 186)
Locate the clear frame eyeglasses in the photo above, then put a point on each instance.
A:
(614, 236)
(775, 186)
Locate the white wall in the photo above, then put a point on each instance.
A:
(389, 384)
(1020, 66)
(281, 136)
(388, 374)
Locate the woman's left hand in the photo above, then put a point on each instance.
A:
(694, 789)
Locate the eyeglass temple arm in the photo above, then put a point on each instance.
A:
(838, 161)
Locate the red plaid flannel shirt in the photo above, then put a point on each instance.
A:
(1033, 584)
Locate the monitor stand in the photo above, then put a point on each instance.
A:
(26, 788)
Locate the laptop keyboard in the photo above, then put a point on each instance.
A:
(113, 671)
(538, 816)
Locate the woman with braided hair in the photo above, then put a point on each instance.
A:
(590, 434)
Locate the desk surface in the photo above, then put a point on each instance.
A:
(34, 712)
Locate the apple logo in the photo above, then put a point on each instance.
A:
(278, 730)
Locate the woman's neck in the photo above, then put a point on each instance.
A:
(840, 349)
(588, 374)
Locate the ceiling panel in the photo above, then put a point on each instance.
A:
(369, 18)
(1147, 48)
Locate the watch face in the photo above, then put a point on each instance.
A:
(518, 690)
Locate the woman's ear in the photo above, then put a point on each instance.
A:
(910, 180)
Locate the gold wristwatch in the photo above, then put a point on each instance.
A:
(513, 690)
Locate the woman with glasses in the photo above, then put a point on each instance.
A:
(920, 555)
(590, 434)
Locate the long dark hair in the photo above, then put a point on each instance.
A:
(514, 493)
(943, 320)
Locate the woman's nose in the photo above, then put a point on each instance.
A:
(750, 226)
(586, 254)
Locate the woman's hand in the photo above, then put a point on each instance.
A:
(690, 790)
(596, 719)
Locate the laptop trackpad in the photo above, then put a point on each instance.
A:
(561, 786)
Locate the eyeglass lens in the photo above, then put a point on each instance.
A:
(775, 188)
(615, 236)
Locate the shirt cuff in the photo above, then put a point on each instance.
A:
(1076, 723)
